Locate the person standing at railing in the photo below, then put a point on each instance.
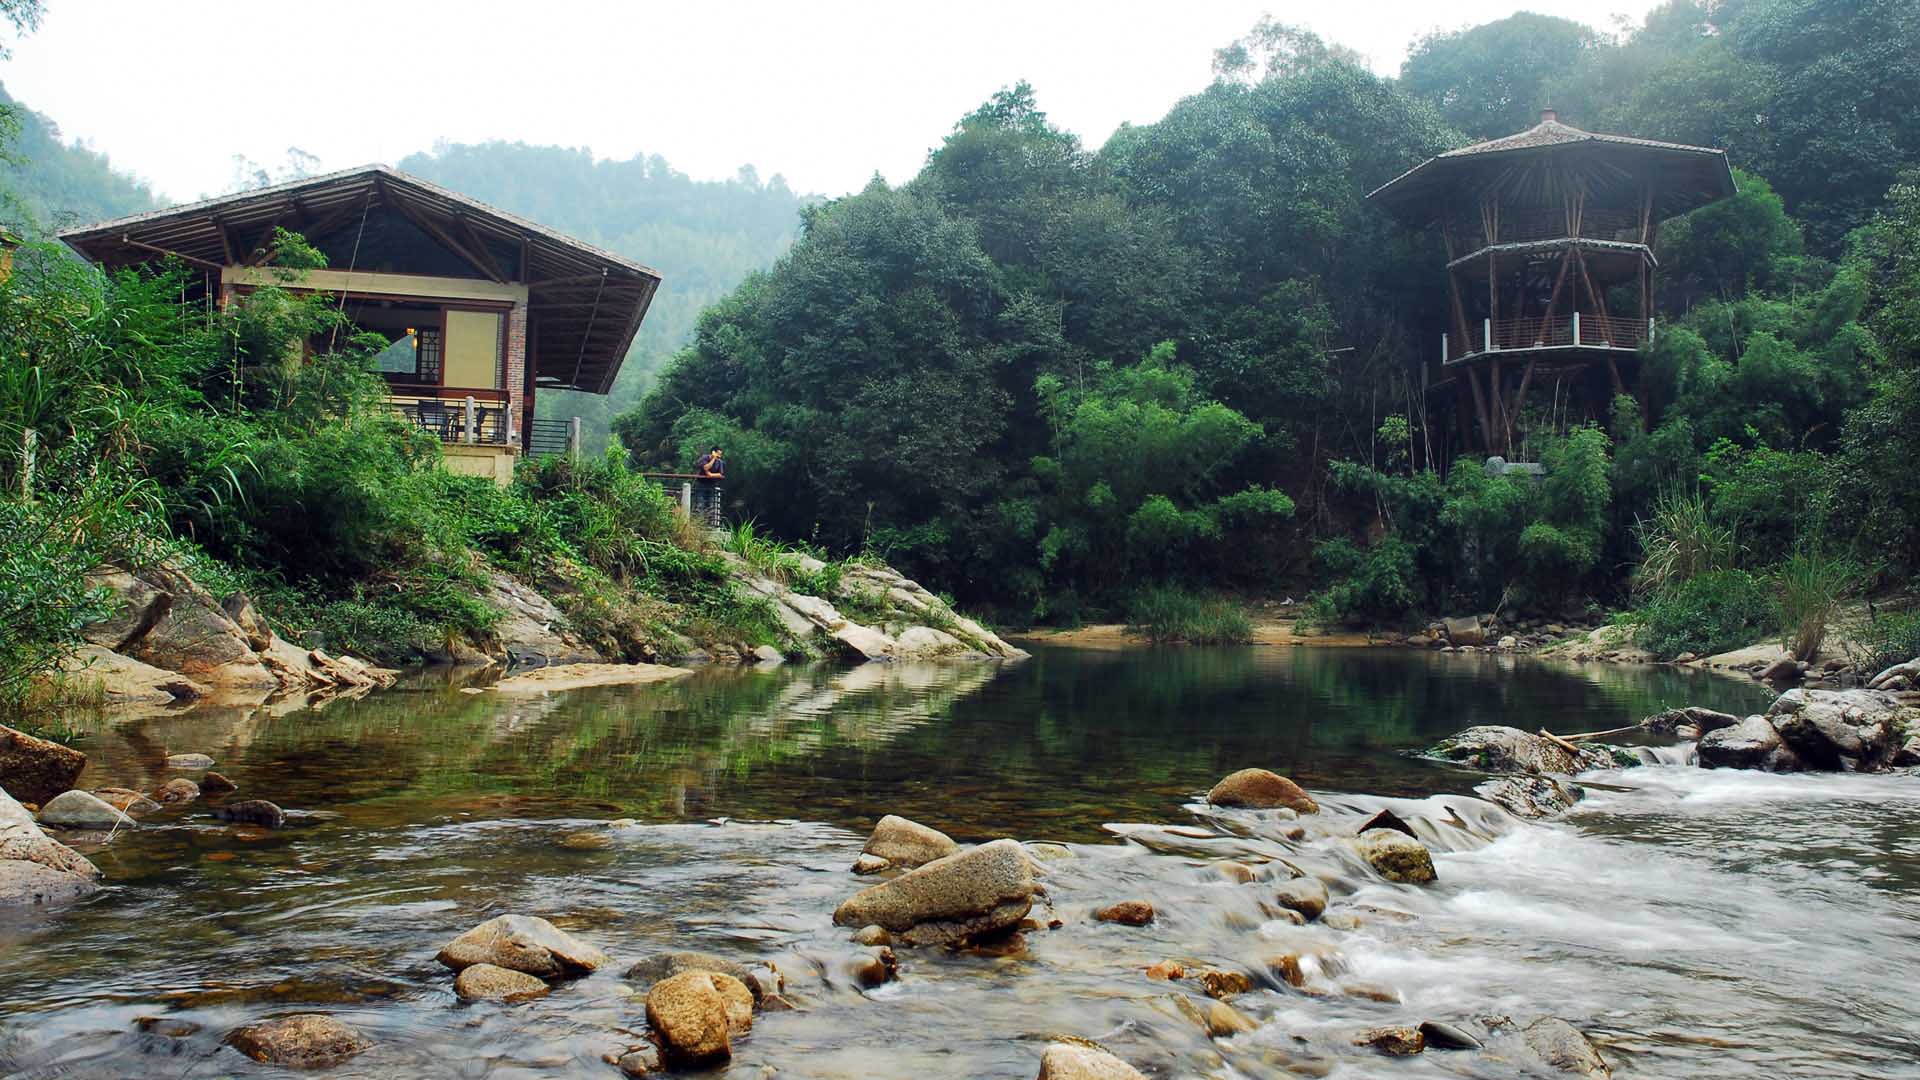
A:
(712, 468)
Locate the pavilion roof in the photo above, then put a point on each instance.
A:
(585, 304)
(1551, 153)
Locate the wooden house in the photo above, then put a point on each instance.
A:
(1549, 244)
(481, 309)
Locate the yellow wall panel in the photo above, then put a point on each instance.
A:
(473, 349)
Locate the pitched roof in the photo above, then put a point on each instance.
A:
(1684, 177)
(585, 305)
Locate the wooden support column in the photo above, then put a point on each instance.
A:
(1496, 400)
(1519, 400)
(1480, 407)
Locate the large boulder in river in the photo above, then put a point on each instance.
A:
(1841, 729)
(1507, 749)
(1077, 1061)
(1531, 796)
(523, 943)
(1397, 856)
(1260, 789)
(36, 869)
(973, 893)
(35, 770)
(301, 1041)
(1750, 744)
(908, 843)
(696, 1014)
(1564, 1047)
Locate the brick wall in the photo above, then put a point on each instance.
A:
(516, 369)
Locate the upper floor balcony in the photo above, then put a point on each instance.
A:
(1530, 336)
(1537, 226)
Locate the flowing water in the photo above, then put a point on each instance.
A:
(1695, 923)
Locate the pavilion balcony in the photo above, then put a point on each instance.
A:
(1578, 331)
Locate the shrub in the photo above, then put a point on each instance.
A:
(1680, 540)
(1711, 613)
(1811, 586)
(1882, 639)
(1370, 585)
(1165, 613)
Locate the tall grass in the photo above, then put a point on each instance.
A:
(1882, 639)
(1811, 585)
(1679, 540)
(1164, 613)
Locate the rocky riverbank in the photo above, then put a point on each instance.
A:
(172, 643)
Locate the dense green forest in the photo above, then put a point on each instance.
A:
(1047, 376)
(704, 236)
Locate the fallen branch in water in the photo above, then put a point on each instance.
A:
(1566, 740)
(1560, 742)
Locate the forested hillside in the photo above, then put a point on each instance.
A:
(51, 184)
(1048, 376)
(704, 236)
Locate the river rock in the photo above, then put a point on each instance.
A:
(1841, 729)
(1566, 1048)
(866, 865)
(695, 1015)
(1397, 856)
(215, 784)
(1693, 716)
(1443, 1036)
(167, 620)
(177, 790)
(908, 844)
(36, 869)
(1221, 983)
(875, 966)
(35, 770)
(1126, 913)
(1261, 790)
(1306, 895)
(662, 966)
(1073, 1061)
(1465, 631)
(1531, 796)
(872, 935)
(1908, 755)
(301, 1041)
(126, 800)
(253, 812)
(1506, 749)
(978, 891)
(1750, 744)
(523, 943)
(1394, 1041)
(1387, 819)
(189, 762)
(485, 982)
(81, 810)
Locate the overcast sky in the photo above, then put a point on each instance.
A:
(825, 93)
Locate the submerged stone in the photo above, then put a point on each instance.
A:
(81, 810)
(1566, 1048)
(485, 982)
(1306, 895)
(302, 1041)
(253, 812)
(1073, 1061)
(1443, 1036)
(1126, 913)
(1395, 1041)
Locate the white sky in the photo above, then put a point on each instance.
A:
(825, 92)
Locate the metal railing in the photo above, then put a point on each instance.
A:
(456, 416)
(550, 437)
(1518, 335)
(698, 498)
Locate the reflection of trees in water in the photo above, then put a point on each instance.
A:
(1070, 738)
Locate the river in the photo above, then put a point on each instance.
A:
(1696, 924)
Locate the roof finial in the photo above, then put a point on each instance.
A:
(1549, 115)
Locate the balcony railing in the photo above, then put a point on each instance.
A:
(699, 498)
(550, 437)
(1584, 331)
(453, 414)
(1519, 228)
